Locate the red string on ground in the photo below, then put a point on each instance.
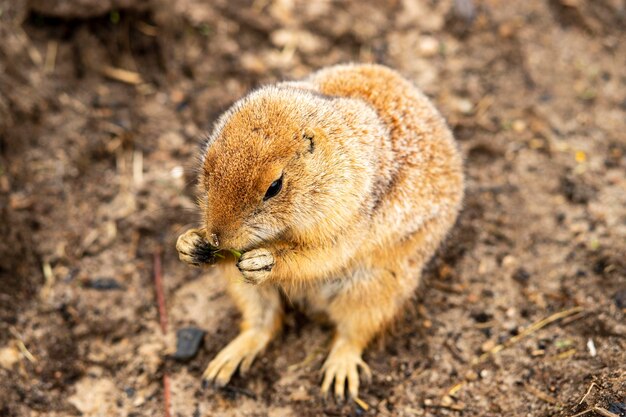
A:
(158, 283)
(166, 394)
(160, 296)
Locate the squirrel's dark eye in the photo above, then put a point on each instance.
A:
(274, 189)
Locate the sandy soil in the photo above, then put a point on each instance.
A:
(97, 172)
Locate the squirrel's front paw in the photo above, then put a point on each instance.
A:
(256, 265)
(193, 248)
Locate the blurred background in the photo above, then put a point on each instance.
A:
(103, 105)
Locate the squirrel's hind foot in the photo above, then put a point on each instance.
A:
(342, 368)
(239, 353)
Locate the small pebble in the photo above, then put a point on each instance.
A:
(620, 299)
(471, 375)
(519, 126)
(129, 391)
(428, 46)
(592, 348)
(472, 298)
(506, 29)
(536, 143)
(521, 275)
(465, 10)
(463, 105)
(482, 317)
(177, 172)
(188, 340)
(509, 261)
(488, 345)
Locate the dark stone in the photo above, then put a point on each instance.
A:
(188, 341)
(600, 265)
(620, 299)
(482, 317)
(83, 9)
(618, 408)
(575, 190)
(521, 275)
(104, 284)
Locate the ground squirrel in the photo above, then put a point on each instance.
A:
(336, 190)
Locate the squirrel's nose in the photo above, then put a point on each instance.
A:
(214, 240)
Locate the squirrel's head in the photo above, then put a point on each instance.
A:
(278, 164)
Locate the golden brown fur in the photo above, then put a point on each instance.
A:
(372, 182)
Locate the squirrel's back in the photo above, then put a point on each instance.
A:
(426, 165)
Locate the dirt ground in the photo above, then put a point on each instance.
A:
(102, 110)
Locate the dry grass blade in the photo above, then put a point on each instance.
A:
(122, 75)
(21, 346)
(527, 332)
(593, 384)
(455, 388)
(51, 56)
(166, 395)
(147, 29)
(540, 394)
(566, 354)
(306, 361)
(361, 403)
(598, 410)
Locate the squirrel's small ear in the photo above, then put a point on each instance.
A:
(308, 135)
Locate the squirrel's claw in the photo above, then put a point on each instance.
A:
(256, 265)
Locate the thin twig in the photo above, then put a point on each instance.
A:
(166, 394)
(454, 407)
(574, 317)
(455, 388)
(365, 406)
(137, 167)
(306, 361)
(566, 354)
(147, 29)
(51, 56)
(122, 75)
(540, 394)
(22, 347)
(593, 384)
